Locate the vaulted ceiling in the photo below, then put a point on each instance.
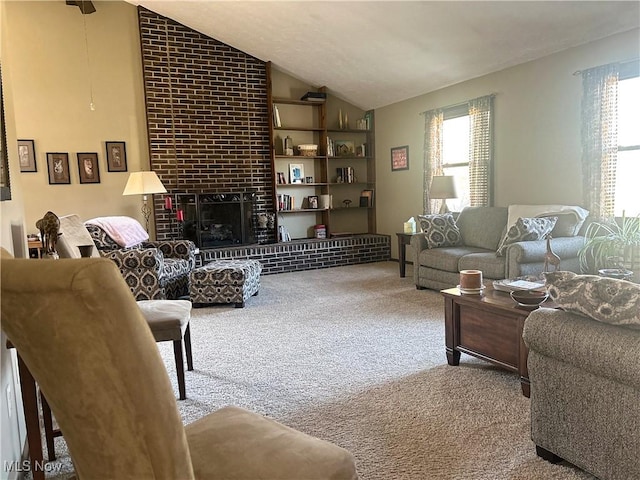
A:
(374, 53)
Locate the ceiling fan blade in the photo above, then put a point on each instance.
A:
(85, 6)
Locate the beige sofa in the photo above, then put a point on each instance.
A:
(482, 229)
(585, 382)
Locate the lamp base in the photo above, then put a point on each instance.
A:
(146, 212)
(444, 208)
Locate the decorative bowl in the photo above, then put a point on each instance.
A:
(308, 150)
(529, 298)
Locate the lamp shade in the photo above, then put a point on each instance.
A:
(143, 183)
(443, 187)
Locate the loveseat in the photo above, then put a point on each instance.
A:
(152, 270)
(584, 368)
(481, 231)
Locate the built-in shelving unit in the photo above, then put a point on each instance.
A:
(324, 189)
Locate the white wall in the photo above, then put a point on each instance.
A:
(12, 427)
(537, 132)
(47, 53)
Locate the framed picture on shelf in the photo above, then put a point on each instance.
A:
(344, 148)
(116, 157)
(27, 155)
(88, 168)
(308, 179)
(58, 167)
(313, 201)
(400, 158)
(296, 173)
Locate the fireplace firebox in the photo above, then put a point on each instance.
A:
(212, 220)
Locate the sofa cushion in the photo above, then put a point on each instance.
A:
(482, 227)
(492, 267)
(607, 300)
(445, 258)
(573, 217)
(527, 229)
(440, 230)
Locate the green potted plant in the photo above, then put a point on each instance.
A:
(611, 245)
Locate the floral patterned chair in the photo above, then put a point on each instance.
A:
(152, 270)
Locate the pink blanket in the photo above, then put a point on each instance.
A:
(125, 231)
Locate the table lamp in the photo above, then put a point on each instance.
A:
(144, 183)
(443, 187)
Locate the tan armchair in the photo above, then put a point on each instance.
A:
(80, 333)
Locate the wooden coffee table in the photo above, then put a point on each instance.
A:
(489, 327)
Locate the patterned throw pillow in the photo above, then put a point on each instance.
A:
(440, 230)
(525, 230)
(607, 300)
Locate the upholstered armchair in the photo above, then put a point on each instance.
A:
(152, 270)
(107, 386)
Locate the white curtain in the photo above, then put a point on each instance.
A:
(432, 156)
(480, 151)
(600, 138)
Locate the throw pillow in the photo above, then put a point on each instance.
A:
(440, 230)
(607, 300)
(525, 230)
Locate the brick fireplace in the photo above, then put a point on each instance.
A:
(207, 118)
(208, 127)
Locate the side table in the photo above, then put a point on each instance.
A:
(404, 239)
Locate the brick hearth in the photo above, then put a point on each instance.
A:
(308, 254)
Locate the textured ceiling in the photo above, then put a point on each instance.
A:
(374, 54)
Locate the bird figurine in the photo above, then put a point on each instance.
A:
(550, 258)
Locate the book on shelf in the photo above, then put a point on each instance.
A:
(345, 175)
(368, 195)
(361, 150)
(314, 97)
(276, 117)
(281, 178)
(285, 202)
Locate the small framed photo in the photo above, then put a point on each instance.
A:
(116, 157)
(400, 158)
(27, 155)
(296, 173)
(58, 166)
(344, 148)
(308, 179)
(313, 201)
(88, 168)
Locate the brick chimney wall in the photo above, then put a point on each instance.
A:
(207, 117)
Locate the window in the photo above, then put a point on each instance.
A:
(628, 161)
(455, 156)
(458, 143)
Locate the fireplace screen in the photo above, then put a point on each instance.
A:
(217, 219)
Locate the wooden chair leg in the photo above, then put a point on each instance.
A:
(47, 420)
(177, 353)
(187, 347)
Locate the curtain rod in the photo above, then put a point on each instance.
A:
(466, 102)
(625, 62)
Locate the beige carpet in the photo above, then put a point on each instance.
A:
(355, 355)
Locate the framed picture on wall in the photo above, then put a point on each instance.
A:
(116, 157)
(400, 158)
(27, 155)
(88, 168)
(58, 167)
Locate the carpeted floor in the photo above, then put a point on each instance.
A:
(355, 355)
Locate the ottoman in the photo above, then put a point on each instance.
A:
(225, 281)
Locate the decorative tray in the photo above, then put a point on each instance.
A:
(508, 285)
